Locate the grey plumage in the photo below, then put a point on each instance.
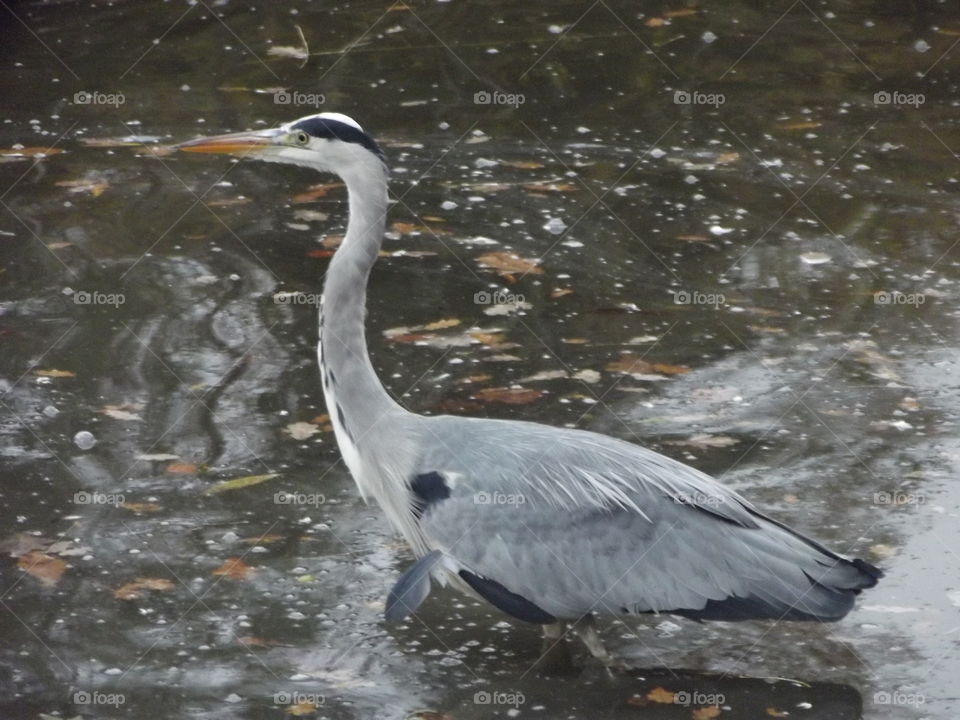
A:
(544, 522)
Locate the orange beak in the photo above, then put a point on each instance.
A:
(241, 144)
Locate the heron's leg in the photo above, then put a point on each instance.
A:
(555, 655)
(587, 630)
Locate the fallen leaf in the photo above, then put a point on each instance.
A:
(315, 192)
(246, 480)
(706, 713)
(693, 238)
(633, 365)
(560, 292)
(551, 187)
(20, 544)
(545, 375)
(522, 164)
(303, 708)
(442, 324)
(506, 263)
(574, 341)
(655, 22)
(487, 338)
(683, 12)
(135, 590)
(773, 712)
(94, 187)
(318, 253)
(301, 430)
(705, 440)
(508, 395)
(120, 412)
(141, 507)
(234, 568)
(58, 245)
(660, 695)
(45, 568)
(261, 539)
(182, 468)
(30, 151)
(55, 373)
(809, 125)
(474, 379)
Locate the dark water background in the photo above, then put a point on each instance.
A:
(811, 218)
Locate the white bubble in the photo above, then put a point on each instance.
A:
(84, 440)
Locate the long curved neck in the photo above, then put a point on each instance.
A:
(356, 400)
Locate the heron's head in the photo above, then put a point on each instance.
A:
(329, 142)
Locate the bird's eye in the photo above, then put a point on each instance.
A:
(301, 138)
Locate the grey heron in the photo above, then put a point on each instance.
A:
(550, 525)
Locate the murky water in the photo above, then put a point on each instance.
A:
(763, 195)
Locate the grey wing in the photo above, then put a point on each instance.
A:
(594, 524)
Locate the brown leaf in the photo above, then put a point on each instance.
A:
(683, 12)
(45, 568)
(487, 338)
(20, 544)
(634, 365)
(506, 263)
(522, 164)
(560, 292)
(94, 187)
(705, 440)
(234, 568)
(508, 395)
(442, 324)
(55, 373)
(261, 539)
(304, 708)
(405, 228)
(141, 507)
(800, 125)
(182, 468)
(551, 187)
(706, 713)
(135, 590)
(30, 151)
(655, 22)
(315, 192)
(318, 253)
(661, 695)
(773, 712)
(693, 238)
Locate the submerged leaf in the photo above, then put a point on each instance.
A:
(234, 568)
(135, 590)
(45, 568)
(508, 395)
(507, 263)
(245, 481)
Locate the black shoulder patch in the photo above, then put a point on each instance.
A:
(334, 129)
(428, 488)
(512, 604)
